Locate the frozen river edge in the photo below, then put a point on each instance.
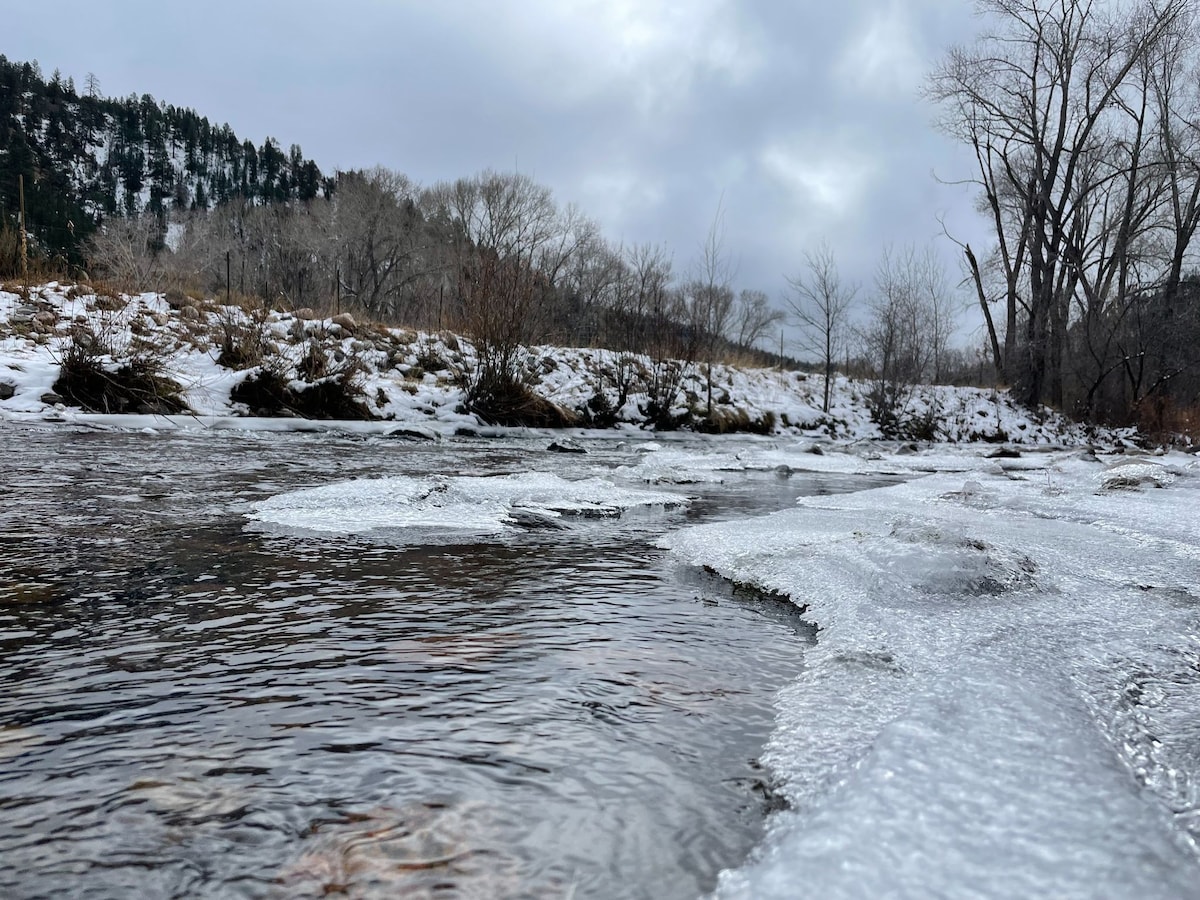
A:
(1004, 697)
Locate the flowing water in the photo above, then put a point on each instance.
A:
(195, 705)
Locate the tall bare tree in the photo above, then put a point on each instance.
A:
(820, 302)
(1037, 95)
(709, 297)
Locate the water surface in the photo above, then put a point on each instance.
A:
(196, 706)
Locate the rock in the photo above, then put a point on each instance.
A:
(1004, 453)
(566, 445)
(304, 312)
(7, 391)
(51, 399)
(46, 317)
(1134, 474)
(528, 518)
(412, 433)
(189, 314)
(346, 322)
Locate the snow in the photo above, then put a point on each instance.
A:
(415, 377)
(1003, 698)
(466, 504)
(1005, 694)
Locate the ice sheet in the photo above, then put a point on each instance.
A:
(1003, 696)
(478, 505)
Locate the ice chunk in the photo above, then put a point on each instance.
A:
(479, 505)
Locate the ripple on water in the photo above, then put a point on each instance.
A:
(192, 709)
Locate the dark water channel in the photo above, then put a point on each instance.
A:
(195, 707)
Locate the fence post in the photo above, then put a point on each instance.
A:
(24, 238)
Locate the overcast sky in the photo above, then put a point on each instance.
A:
(801, 118)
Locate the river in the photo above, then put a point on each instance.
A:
(197, 705)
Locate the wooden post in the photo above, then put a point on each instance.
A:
(780, 349)
(337, 287)
(228, 281)
(24, 238)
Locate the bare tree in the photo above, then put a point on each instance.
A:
(1034, 98)
(641, 301)
(709, 298)
(820, 302)
(512, 245)
(375, 241)
(752, 318)
(898, 340)
(130, 251)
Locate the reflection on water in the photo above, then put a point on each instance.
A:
(196, 708)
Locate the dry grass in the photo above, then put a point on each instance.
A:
(1170, 423)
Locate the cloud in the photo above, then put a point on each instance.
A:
(573, 51)
(647, 113)
(824, 173)
(883, 55)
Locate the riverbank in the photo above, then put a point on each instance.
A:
(226, 367)
(1002, 696)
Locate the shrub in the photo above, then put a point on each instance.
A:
(336, 395)
(599, 411)
(243, 339)
(500, 399)
(91, 379)
(263, 393)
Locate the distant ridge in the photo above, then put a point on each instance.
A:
(84, 157)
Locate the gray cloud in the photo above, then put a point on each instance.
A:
(801, 119)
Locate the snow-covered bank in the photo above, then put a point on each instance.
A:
(416, 378)
(1004, 697)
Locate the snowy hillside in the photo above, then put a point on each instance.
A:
(416, 380)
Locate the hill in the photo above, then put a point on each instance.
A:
(83, 158)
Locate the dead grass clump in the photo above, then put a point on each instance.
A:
(315, 364)
(339, 394)
(724, 421)
(89, 378)
(499, 399)
(243, 341)
(429, 360)
(109, 302)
